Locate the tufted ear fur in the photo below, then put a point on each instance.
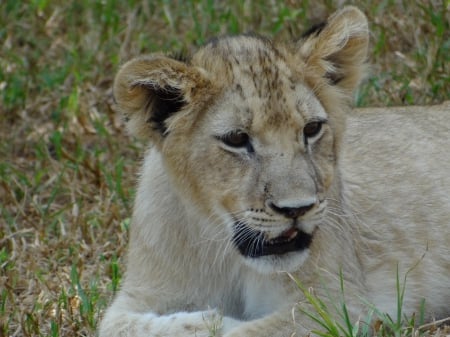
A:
(337, 49)
(151, 91)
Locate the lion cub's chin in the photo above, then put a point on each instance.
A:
(269, 264)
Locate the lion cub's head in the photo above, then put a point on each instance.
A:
(249, 131)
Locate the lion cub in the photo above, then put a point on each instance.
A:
(251, 180)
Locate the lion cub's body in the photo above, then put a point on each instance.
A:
(251, 176)
(395, 167)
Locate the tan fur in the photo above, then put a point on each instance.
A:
(372, 198)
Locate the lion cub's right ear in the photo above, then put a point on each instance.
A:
(152, 91)
(337, 50)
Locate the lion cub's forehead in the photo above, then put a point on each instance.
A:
(262, 83)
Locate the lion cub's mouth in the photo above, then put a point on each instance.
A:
(253, 243)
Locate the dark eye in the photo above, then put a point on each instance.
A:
(312, 129)
(237, 139)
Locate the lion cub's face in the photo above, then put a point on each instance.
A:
(249, 131)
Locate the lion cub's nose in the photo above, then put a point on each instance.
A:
(292, 212)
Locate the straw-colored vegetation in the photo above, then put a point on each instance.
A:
(67, 169)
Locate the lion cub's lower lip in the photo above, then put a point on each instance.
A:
(252, 243)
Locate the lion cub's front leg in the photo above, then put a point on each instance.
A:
(125, 323)
(280, 324)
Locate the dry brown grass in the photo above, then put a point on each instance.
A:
(66, 167)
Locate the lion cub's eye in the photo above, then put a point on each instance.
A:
(237, 139)
(312, 129)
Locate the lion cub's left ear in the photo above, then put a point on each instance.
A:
(152, 92)
(337, 49)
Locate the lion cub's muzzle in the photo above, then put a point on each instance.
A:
(255, 243)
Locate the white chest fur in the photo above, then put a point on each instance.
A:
(263, 295)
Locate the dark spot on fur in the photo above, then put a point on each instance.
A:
(335, 76)
(164, 103)
(240, 90)
(314, 30)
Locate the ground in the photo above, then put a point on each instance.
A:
(67, 168)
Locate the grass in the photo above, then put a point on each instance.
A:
(341, 325)
(331, 324)
(67, 168)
